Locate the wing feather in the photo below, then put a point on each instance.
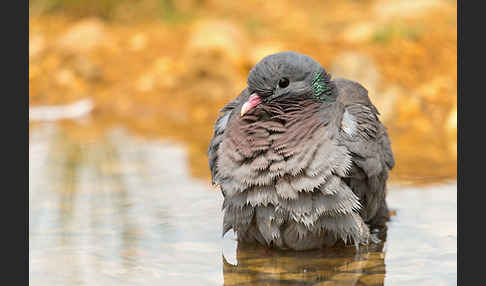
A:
(367, 141)
(219, 128)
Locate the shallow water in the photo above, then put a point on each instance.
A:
(122, 210)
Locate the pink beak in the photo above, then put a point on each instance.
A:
(253, 101)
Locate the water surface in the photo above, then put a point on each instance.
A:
(122, 210)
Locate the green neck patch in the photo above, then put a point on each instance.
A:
(320, 87)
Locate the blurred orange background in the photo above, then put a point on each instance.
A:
(163, 68)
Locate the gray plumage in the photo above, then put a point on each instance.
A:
(307, 166)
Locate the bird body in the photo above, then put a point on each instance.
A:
(302, 160)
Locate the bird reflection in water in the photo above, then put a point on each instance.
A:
(341, 265)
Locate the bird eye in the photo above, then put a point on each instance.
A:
(283, 82)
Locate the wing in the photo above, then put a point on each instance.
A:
(367, 140)
(219, 128)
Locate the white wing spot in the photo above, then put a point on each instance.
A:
(221, 125)
(348, 124)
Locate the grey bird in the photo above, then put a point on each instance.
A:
(302, 160)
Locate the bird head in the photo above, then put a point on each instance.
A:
(288, 75)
